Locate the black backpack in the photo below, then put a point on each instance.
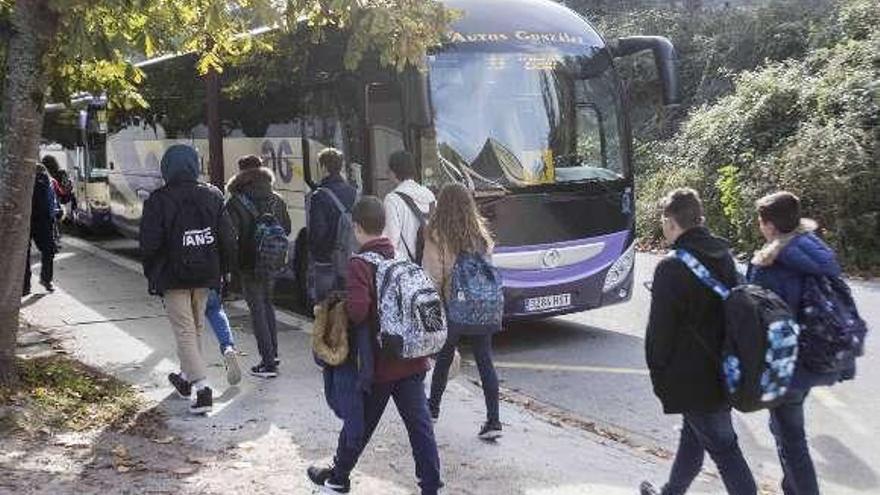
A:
(832, 332)
(193, 242)
(422, 217)
(760, 349)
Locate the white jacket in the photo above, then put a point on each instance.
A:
(401, 225)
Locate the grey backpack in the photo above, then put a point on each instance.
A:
(412, 323)
(331, 276)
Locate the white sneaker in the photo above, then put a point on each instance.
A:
(233, 369)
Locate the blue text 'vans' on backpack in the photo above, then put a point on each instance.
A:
(328, 277)
(832, 332)
(475, 304)
(269, 241)
(760, 348)
(412, 323)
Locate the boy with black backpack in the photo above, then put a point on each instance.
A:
(331, 234)
(407, 209)
(399, 349)
(683, 345)
(262, 226)
(186, 243)
(804, 272)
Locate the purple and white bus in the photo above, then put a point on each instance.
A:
(522, 104)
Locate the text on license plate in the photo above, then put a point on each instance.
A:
(544, 303)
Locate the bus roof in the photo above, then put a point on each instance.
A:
(511, 22)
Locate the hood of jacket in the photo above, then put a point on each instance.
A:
(700, 242)
(180, 164)
(801, 250)
(381, 246)
(255, 182)
(422, 196)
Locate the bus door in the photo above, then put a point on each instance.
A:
(93, 190)
(385, 135)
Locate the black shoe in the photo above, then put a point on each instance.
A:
(435, 412)
(204, 401)
(183, 387)
(25, 292)
(48, 286)
(646, 488)
(263, 371)
(490, 431)
(325, 478)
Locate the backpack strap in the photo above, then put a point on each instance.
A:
(335, 198)
(419, 214)
(248, 205)
(701, 272)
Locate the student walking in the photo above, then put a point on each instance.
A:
(333, 199)
(44, 212)
(457, 238)
(216, 316)
(400, 379)
(185, 242)
(794, 253)
(256, 212)
(407, 209)
(683, 350)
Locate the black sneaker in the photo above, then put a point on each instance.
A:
(183, 387)
(325, 478)
(48, 286)
(490, 431)
(204, 402)
(646, 488)
(435, 412)
(263, 371)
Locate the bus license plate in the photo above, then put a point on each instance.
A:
(545, 303)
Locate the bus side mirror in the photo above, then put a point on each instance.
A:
(665, 57)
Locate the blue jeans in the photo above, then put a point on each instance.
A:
(712, 433)
(482, 349)
(218, 320)
(258, 296)
(787, 425)
(409, 397)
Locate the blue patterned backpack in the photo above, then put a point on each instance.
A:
(760, 349)
(475, 303)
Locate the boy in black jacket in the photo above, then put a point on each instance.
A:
(683, 349)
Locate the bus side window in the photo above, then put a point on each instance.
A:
(385, 128)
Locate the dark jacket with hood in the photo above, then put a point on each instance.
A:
(782, 267)
(361, 306)
(44, 210)
(324, 216)
(256, 184)
(686, 327)
(158, 241)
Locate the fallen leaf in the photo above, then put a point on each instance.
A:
(120, 451)
(122, 468)
(184, 471)
(199, 459)
(164, 440)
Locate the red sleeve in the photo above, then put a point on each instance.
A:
(359, 288)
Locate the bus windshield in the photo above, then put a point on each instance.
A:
(514, 120)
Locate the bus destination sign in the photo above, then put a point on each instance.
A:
(519, 36)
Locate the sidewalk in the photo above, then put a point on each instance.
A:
(262, 435)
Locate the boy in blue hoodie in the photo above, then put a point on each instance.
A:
(793, 252)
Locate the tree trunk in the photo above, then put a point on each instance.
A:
(33, 26)
(215, 130)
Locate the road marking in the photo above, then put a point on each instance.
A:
(565, 367)
(286, 317)
(840, 409)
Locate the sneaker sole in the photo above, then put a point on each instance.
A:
(199, 411)
(491, 435)
(330, 491)
(264, 375)
(233, 370)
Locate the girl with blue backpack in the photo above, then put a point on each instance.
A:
(457, 253)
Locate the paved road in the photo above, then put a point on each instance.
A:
(592, 364)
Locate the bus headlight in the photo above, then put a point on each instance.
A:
(621, 269)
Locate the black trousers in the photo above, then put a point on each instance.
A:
(47, 258)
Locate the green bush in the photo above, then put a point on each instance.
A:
(811, 126)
